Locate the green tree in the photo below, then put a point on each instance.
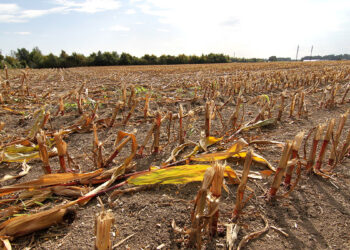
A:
(51, 61)
(125, 59)
(36, 58)
(63, 59)
(272, 59)
(23, 56)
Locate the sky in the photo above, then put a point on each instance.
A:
(241, 28)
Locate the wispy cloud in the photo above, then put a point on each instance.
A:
(163, 30)
(119, 28)
(22, 33)
(90, 6)
(12, 13)
(130, 12)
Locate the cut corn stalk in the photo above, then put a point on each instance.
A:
(44, 155)
(97, 149)
(292, 105)
(214, 197)
(345, 147)
(295, 148)
(169, 125)
(181, 132)
(342, 121)
(316, 139)
(242, 186)
(146, 108)
(131, 112)
(61, 150)
(115, 112)
(131, 97)
(323, 149)
(301, 103)
(156, 133)
(280, 170)
(197, 215)
(2, 125)
(103, 223)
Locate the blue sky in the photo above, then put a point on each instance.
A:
(245, 28)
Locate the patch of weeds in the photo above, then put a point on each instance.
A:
(70, 106)
(140, 89)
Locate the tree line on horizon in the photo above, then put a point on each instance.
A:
(36, 59)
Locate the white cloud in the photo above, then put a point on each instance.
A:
(8, 7)
(163, 30)
(22, 33)
(12, 13)
(119, 28)
(130, 12)
(269, 26)
(90, 6)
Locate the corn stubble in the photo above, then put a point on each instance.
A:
(253, 110)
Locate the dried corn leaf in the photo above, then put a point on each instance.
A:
(27, 198)
(260, 124)
(70, 191)
(18, 157)
(178, 149)
(234, 149)
(256, 157)
(19, 148)
(49, 180)
(25, 170)
(205, 142)
(175, 175)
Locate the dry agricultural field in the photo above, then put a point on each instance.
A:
(216, 156)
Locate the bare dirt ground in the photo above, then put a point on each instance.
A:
(316, 215)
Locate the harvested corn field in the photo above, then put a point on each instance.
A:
(221, 156)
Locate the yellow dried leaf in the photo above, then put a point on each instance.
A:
(175, 175)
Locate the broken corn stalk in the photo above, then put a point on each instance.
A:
(280, 170)
(215, 194)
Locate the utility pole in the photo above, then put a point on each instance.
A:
(296, 57)
(312, 48)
